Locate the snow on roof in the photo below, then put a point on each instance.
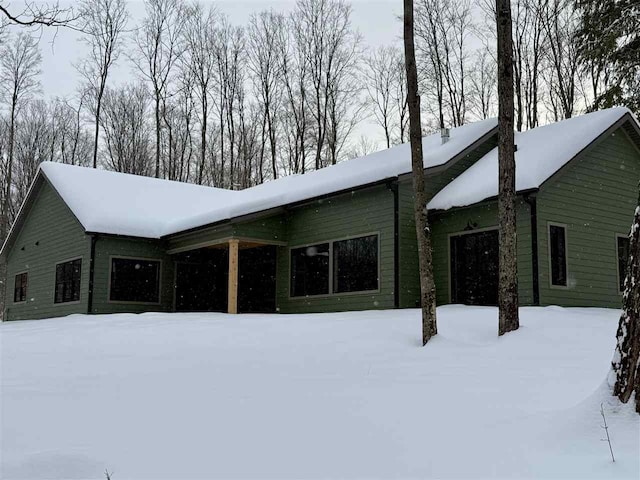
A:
(121, 204)
(117, 203)
(541, 152)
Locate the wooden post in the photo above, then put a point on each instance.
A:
(232, 305)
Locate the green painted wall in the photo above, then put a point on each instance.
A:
(60, 237)
(483, 216)
(408, 261)
(106, 247)
(359, 213)
(595, 196)
(270, 229)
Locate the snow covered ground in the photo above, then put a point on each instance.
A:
(349, 395)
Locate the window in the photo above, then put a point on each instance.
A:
(623, 257)
(310, 270)
(134, 280)
(355, 264)
(558, 252)
(68, 281)
(340, 266)
(20, 288)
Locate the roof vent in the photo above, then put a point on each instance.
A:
(444, 135)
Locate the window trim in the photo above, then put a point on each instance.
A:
(22, 302)
(459, 234)
(128, 302)
(616, 236)
(55, 269)
(331, 242)
(566, 254)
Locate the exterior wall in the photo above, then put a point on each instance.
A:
(105, 248)
(359, 213)
(483, 216)
(595, 197)
(268, 229)
(51, 235)
(408, 255)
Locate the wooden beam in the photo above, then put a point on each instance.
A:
(232, 303)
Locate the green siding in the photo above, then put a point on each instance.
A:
(483, 216)
(268, 229)
(358, 213)
(59, 237)
(595, 197)
(408, 249)
(105, 248)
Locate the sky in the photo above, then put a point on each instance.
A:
(376, 20)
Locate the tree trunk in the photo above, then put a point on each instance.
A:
(626, 361)
(6, 202)
(96, 133)
(423, 232)
(157, 112)
(508, 268)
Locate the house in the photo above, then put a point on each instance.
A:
(340, 238)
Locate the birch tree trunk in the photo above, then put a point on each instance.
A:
(508, 268)
(626, 360)
(423, 233)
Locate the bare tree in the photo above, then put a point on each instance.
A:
(128, 144)
(37, 141)
(200, 36)
(178, 115)
(483, 85)
(295, 73)
(508, 267)
(230, 47)
(380, 72)
(330, 45)
(75, 143)
(626, 359)
(263, 34)
(104, 25)
(423, 232)
(159, 49)
(38, 14)
(560, 21)
(19, 70)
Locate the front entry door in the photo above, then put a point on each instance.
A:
(474, 268)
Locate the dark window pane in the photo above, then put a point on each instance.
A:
(68, 276)
(558, 250)
(135, 280)
(310, 270)
(20, 288)
(623, 257)
(355, 264)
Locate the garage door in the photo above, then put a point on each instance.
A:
(474, 268)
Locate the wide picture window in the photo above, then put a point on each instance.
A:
(68, 275)
(341, 266)
(135, 280)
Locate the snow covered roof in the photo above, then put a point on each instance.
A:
(541, 152)
(121, 204)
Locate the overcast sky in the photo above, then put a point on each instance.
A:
(376, 20)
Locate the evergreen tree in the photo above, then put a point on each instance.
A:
(609, 39)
